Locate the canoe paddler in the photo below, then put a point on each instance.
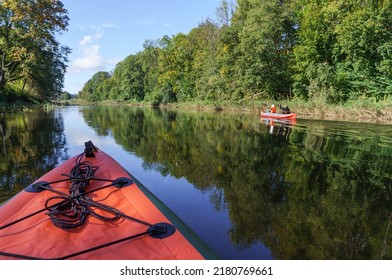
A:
(285, 109)
(273, 108)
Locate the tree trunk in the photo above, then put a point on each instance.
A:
(2, 79)
(2, 72)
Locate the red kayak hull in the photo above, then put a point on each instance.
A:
(278, 116)
(37, 237)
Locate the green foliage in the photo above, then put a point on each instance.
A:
(29, 50)
(264, 50)
(93, 89)
(343, 50)
(333, 50)
(129, 79)
(205, 69)
(33, 143)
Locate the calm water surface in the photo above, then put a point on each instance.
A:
(250, 188)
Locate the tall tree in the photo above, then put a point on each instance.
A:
(314, 52)
(174, 61)
(344, 49)
(29, 50)
(225, 12)
(149, 60)
(129, 78)
(363, 39)
(265, 34)
(90, 89)
(205, 68)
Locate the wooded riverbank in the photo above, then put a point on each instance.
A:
(366, 111)
(380, 112)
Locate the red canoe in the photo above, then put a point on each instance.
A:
(278, 116)
(90, 207)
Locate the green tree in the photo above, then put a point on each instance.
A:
(129, 79)
(258, 47)
(225, 12)
(105, 90)
(205, 67)
(364, 38)
(29, 50)
(90, 88)
(228, 56)
(149, 60)
(175, 65)
(343, 49)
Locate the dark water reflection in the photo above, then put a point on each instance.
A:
(309, 190)
(32, 143)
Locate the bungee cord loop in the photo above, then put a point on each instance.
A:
(71, 211)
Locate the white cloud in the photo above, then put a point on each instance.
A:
(86, 40)
(109, 25)
(95, 27)
(89, 57)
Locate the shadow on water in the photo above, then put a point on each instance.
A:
(304, 190)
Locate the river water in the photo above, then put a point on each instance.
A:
(250, 188)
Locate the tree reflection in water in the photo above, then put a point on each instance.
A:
(321, 190)
(311, 190)
(33, 143)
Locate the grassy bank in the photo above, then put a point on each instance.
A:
(357, 111)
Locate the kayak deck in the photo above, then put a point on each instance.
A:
(90, 207)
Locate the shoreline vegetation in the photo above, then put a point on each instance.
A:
(354, 111)
(365, 112)
(351, 112)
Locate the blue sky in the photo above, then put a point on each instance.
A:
(102, 33)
